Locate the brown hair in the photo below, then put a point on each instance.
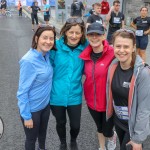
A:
(38, 33)
(116, 2)
(143, 7)
(67, 27)
(97, 4)
(129, 35)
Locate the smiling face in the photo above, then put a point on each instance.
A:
(45, 41)
(95, 40)
(123, 49)
(74, 35)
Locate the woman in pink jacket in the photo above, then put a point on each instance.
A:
(98, 56)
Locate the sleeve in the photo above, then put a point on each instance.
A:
(89, 19)
(123, 17)
(142, 126)
(27, 77)
(135, 20)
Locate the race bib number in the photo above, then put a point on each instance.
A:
(117, 20)
(121, 112)
(139, 32)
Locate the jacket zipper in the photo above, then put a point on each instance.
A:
(93, 76)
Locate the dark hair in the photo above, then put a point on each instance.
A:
(129, 35)
(143, 7)
(67, 27)
(38, 33)
(116, 2)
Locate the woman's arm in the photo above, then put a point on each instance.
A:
(141, 127)
(27, 77)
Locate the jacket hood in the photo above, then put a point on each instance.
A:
(85, 55)
(64, 47)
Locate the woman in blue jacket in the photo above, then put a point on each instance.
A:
(34, 87)
(66, 94)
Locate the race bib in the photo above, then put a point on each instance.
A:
(117, 20)
(121, 112)
(139, 32)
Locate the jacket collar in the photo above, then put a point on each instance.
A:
(85, 55)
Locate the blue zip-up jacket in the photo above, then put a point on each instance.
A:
(35, 83)
(68, 70)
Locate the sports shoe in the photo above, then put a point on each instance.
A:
(111, 145)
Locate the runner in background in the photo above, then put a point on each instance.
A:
(142, 26)
(95, 17)
(104, 9)
(20, 8)
(115, 19)
(77, 8)
(46, 12)
(34, 10)
(3, 6)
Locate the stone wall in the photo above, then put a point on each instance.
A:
(132, 8)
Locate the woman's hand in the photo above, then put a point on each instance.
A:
(28, 123)
(135, 146)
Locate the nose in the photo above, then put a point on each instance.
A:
(74, 35)
(48, 41)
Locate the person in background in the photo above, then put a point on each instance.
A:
(104, 9)
(95, 17)
(20, 8)
(98, 56)
(3, 6)
(91, 10)
(46, 11)
(35, 84)
(115, 19)
(34, 10)
(77, 8)
(128, 92)
(66, 94)
(142, 26)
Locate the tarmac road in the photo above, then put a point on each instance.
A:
(15, 41)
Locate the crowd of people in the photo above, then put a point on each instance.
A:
(117, 79)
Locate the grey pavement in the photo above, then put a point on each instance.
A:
(15, 41)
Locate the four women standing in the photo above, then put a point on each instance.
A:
(66, 93)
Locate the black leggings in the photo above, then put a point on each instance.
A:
(20, 12)
(34, 16)
(74, 113)
(39, 130)
(124, 137)
(103, 126)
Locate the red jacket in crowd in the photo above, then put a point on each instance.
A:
(96, 76)
(104, 7)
